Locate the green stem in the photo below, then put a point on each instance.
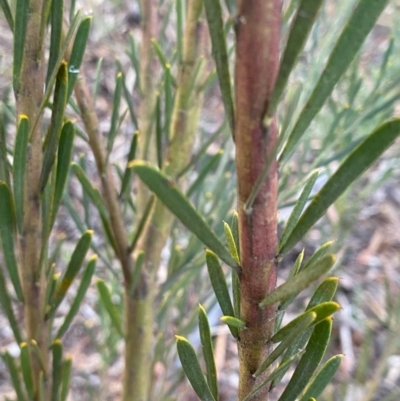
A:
(139, 329)
(257, 60)
(109, 189)
(149, 72)
(29, 97)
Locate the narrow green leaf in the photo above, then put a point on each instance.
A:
(115, 113)
(53, 281)
(231, 242)
(219, 285)
(318, 254)
(105, 297)
(236, 293)
(136, 272)
(77, 52)
(14, 374)
(208, 352)
(19, 166)
(134, 57)
(301, 325)
(128, 173)
(220, 54)
(205, 172)
(21, 21)
(287, 301)
(322, 311)
(235, 276)
(192, 369)
(323, 293)
(57, 119)
(301, 26)
(235, 230)
(4, 164)
(385, 63)
(142, 223)
(168, 100)
(26, 369)
(299, 282)
(64, 155)
(42, 396)
(74, 265)
(309, 361)
(179, 29)
(80, 225)
(169, 194)
(298, 208)
(44, 20)
(92, 192)
(97, 77)
(82, 289)
(97, 200)
(361, 22)
(52, 79)
(6, 305)
(282, 366)
(160, 54)
(128, 99)
(38, 354)
(353, 166)
(292, 102)
(56, 21)
(233, 322)
(7, 13)
(72, 10)
(323, 378)
(57, 351)
(65, 378)
(159, 133)
(7, 231)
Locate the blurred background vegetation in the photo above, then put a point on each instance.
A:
(364, 222)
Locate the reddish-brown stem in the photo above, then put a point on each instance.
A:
(257, 60)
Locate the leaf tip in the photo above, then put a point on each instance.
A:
(180, 339)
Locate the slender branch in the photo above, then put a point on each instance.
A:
(110, 192)
(149, 71)
(28, 99)
(257, 59)
(140, 307)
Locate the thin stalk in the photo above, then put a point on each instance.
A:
(149, 71)
(109, 189)
(257, 61)
(140, 307)
(28, 100)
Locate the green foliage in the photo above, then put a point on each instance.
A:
(7, 231)
(220, 54)
(191, 366)
(178, 204)
(328, 102)
(105, 297)
(346, 48)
